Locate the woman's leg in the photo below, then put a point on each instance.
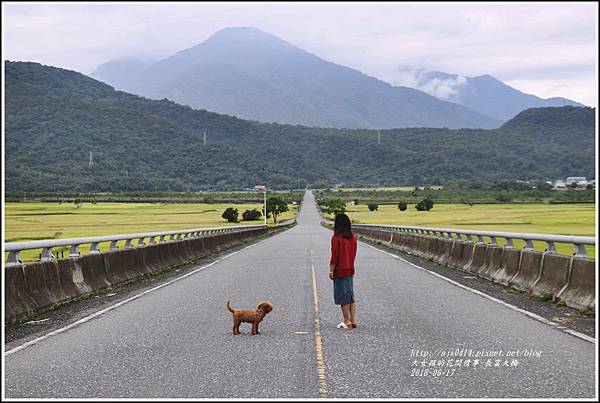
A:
(346, 314)
(353, 313)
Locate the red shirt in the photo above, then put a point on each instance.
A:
(343, 253)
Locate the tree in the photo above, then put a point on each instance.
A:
(428, 203)
(425, 205)
(402, 206)
(373, 206)
(230, 214)
(275, 206)
(335, 206)
(251, 215)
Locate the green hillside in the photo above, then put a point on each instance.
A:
(55, 118)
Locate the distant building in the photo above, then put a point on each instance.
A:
(575, 179)
(559, 184)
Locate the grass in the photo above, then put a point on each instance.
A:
(564, 219)
(37, 221)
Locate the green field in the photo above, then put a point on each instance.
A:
(564, 219)
(34, 221)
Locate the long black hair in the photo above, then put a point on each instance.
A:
(342, 226)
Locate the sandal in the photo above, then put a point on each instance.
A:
(342, 325)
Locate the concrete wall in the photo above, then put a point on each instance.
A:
(38, 286)
(566, 277)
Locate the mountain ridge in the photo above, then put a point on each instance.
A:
(484, 93)
(319, 93)
(54, 119)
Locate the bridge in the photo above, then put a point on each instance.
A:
(420, 335)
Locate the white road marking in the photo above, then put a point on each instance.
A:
(506, 304)
(118, 304)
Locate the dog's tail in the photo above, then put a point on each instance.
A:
(229, 307)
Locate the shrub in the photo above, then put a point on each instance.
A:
(402, 206)
(230, 214)
(425, 205)
(251, 215)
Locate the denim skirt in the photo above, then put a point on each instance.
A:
(343, 290)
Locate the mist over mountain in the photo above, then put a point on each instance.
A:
(254, 75)
(56, 118)
(485, 94)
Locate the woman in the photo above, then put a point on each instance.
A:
(341, 269)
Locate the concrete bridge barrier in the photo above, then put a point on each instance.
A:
(529, 270)
(492, 262)
(456, 255)
(554, 274)
(38, 286)
(569, 277)
(477, 263)
(443, 248)
(509, 266)
(580, 290)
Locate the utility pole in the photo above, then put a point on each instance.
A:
(204, 139)
(91, 162)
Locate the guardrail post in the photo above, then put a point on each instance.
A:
(113, 245)
(152, 240)
(13, 258)
(480, 239)
(493, 241)
(162, 239)
(580, 250)
(528, 244)
(94, 248)
(46, 254)
(509, 243)
(74, 252)
(128, 244)
(140, 242)
(551, 247)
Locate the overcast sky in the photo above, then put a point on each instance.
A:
(548, 49)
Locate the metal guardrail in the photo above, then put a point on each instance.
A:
(14, 248)
(579, 242)
(286, 222)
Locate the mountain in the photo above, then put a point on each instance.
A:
(55, 118)
(254, 75)
(485, 94)
(565, 118)
(122, 73)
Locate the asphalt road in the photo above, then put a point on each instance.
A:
(176, 342)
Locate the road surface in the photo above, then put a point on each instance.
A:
(176, 341)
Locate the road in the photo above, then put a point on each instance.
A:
(176, 341)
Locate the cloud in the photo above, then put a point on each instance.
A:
(516, 42)
(444, 87)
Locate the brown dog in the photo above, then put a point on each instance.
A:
(249, 316)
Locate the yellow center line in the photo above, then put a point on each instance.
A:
(321, 372)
